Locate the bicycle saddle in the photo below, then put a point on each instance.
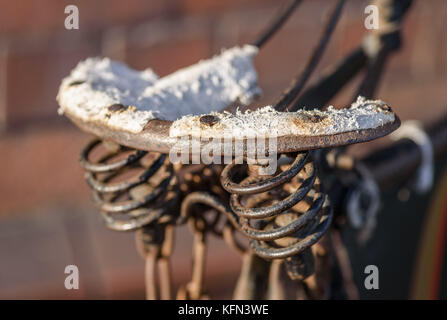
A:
(139, 110)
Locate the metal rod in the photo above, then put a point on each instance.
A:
(150, 274)
(298, 82)
(319, 94)
(397, 162)
(276, 24)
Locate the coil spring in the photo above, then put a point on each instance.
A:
(278, 227)
(129, 204)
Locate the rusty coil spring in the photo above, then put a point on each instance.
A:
(128, 204)
(282, 215)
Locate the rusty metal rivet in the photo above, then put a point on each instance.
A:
(314, 118)
(384, 107)
(209, 120)
(117, 107)
(76, 83)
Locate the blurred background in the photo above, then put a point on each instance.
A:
(47, 220)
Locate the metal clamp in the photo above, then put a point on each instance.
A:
(412, 130)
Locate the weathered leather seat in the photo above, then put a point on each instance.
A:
(140, 110)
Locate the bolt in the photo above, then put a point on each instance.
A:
(76, 83)
(209, 120)
(117, 107)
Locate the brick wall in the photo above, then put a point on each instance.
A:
(39, 150)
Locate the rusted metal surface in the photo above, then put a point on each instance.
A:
(284, 229)
(148, 198)
(124, 205)
(155, 137)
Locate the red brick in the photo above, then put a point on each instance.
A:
(41, 168)
(353, 33)
(217, 6)
(3, 84)
(166, 45)
(34, 72)
(26, 84)
(168, 57)
(40, 17)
